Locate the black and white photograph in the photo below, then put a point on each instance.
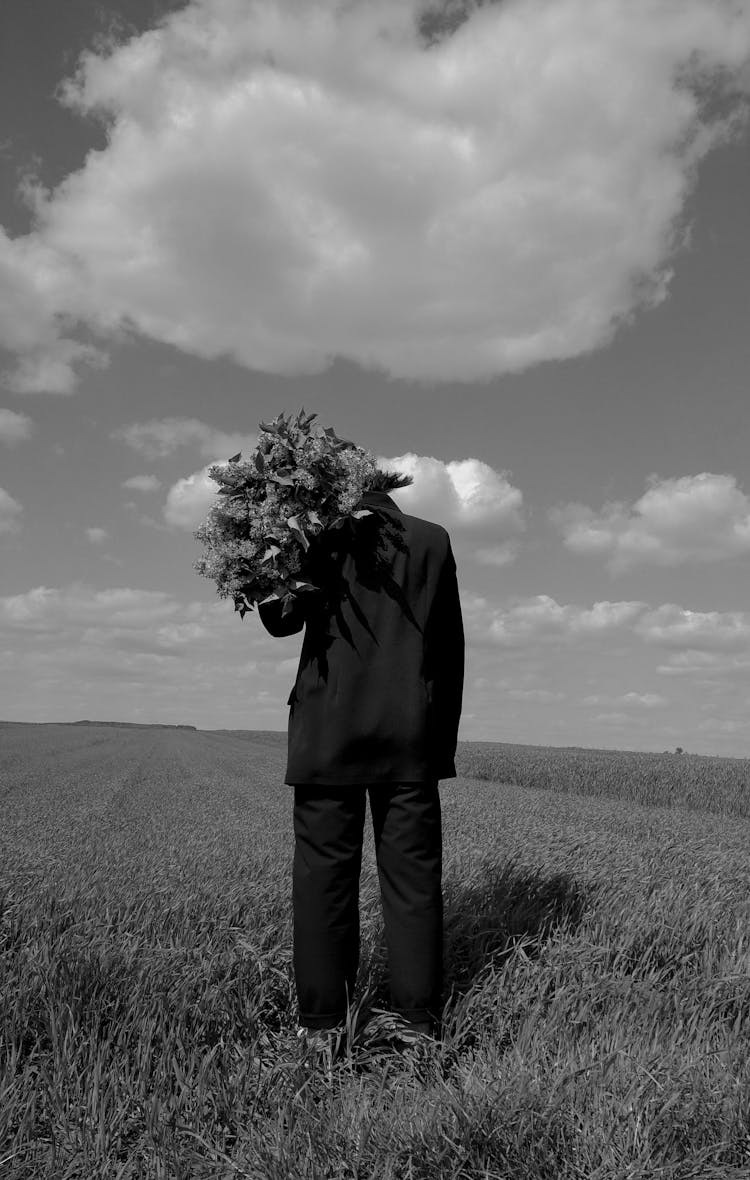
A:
(374, 589)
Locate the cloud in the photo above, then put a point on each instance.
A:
(129, 654)
(704, 666)
(96, 535)
(692, 635)
(498, 555)
(540, 619)
(14, 427)
(695, 518)
(189, 500)
(45, 608)
(163, 436)
(670, 625)
(725, 726)
(10, 511)
(463, 494)
(537, 696)
(637, 700)
(284, 183)
(40, 288)
(142, 483)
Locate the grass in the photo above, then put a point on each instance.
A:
(597, 967)
(697, 781)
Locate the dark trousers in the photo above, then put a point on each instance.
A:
(328, 830)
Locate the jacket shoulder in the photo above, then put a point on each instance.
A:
(433, 535)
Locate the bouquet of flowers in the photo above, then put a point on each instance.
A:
(297, 484)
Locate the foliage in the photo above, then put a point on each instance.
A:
(597, 1020)
(297, 484)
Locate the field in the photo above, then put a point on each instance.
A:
(597, 1020)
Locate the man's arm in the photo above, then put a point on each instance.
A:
(278, 625)
(445, 641)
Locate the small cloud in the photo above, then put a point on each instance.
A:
(497, 555)
(615, 719)
(701, 664)
(540, 619)
(163, 436)
(189, 500)
(644, 700)
(10, 512)
(14, 427)
(537, 696)
(670, 625)
(462, 493)
(724, 726)
(142, 483)
(695, 518)
(637, 700)
(151, 523)
(96, 536)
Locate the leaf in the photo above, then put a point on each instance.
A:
(313, 517)
(272, 551)
(296, 528)
(362, 512)
(235, 458)
(287, 604)
(242, 604)
(260, 463)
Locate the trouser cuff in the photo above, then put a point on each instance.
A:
(418, 1015)
(328, 1020)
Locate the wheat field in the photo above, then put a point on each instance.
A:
(597, 971)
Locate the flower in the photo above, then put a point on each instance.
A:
(271, 508)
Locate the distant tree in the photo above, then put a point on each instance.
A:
(679, 750)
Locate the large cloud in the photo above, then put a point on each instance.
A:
(290, 180)
(694, 518)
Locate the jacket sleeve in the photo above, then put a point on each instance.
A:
(279, 625)
(445, 656)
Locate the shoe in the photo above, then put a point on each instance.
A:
(386, 1030)
(322, 1047)
(415, 1032)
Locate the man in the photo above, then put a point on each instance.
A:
(374, 711)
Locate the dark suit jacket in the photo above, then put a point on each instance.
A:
(378, 691)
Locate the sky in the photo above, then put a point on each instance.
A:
(503, 246)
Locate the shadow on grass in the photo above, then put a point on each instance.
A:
(502, 906)
(486, 918)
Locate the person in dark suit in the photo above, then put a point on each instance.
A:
(374, 711)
